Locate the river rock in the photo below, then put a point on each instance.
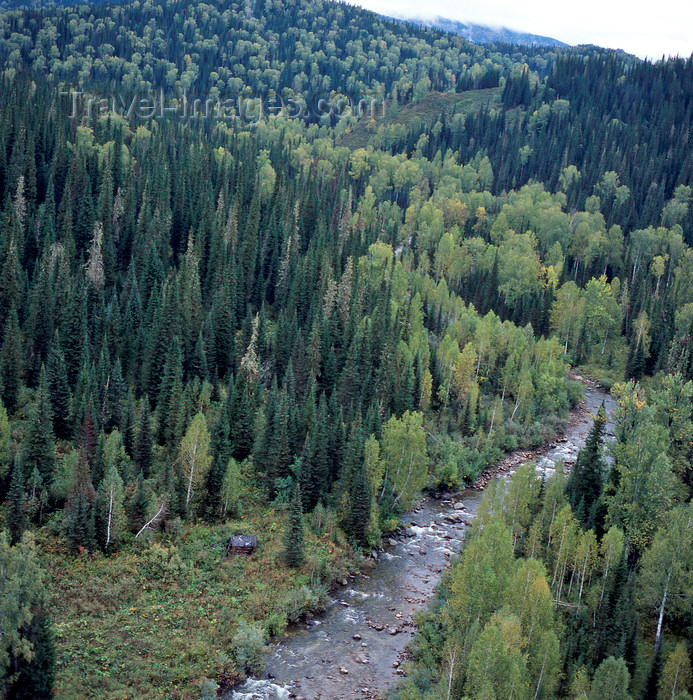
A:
(391, 542)
(459, 506)
(356, 637)
(343, 670)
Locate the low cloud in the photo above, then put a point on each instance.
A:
(638, 26)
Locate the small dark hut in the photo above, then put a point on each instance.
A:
(241, 544)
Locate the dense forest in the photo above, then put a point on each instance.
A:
(299, 321)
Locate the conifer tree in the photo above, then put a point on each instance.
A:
(128, 424)
(170, 403)
(38, 449)
(59, 390)
(11, 362)
(16, 504)
(584, 485)
(294, 536)
(73, 331)
(144, 440)
(654, 673)
(221, 452)
(26, 648)
(360, 511)
(241, 417)
(79, 512)
(139, 505)
(306, 476)
(6, 457)
(278, 449)
(88, 439)
(35, 679)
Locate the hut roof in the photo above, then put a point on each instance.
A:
(243, 541)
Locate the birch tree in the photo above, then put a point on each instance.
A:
(646, 485)
(611, 550)
(666, 579)
(109, 509)
(403, 450)
(194, 459)
(676, 675)
(563, 541)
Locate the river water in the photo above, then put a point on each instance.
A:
(353, 649)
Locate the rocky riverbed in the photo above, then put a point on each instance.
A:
(355, 648)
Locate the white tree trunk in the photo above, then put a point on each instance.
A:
(110, 514)
(661, 612)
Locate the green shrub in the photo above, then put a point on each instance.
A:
(163, 563)
(249, 648)
(275, 624)
(304, 600)
(575, 392)
(208, 689)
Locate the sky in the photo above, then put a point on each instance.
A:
(641, 27)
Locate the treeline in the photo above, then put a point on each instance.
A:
(577, 586)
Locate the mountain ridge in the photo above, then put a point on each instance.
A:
(484, 34)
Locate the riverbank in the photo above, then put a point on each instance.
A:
(354, 649)
(157, 621)
(567, 442)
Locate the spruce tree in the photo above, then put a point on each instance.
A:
(139, 505)
(79, 513)
(654, 673)
(38, 449)
(635, 367)
(144, 442)
(59, 390)
(73, 331)
(80, 524)
(11, 362)
(360, 510)
(170, 401)
(16, 504)
(585, 483)
(242, 417)
(35, 678)
(294, 536)
(221, 451)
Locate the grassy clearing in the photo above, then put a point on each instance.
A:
(427, 110)
(155, 621)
